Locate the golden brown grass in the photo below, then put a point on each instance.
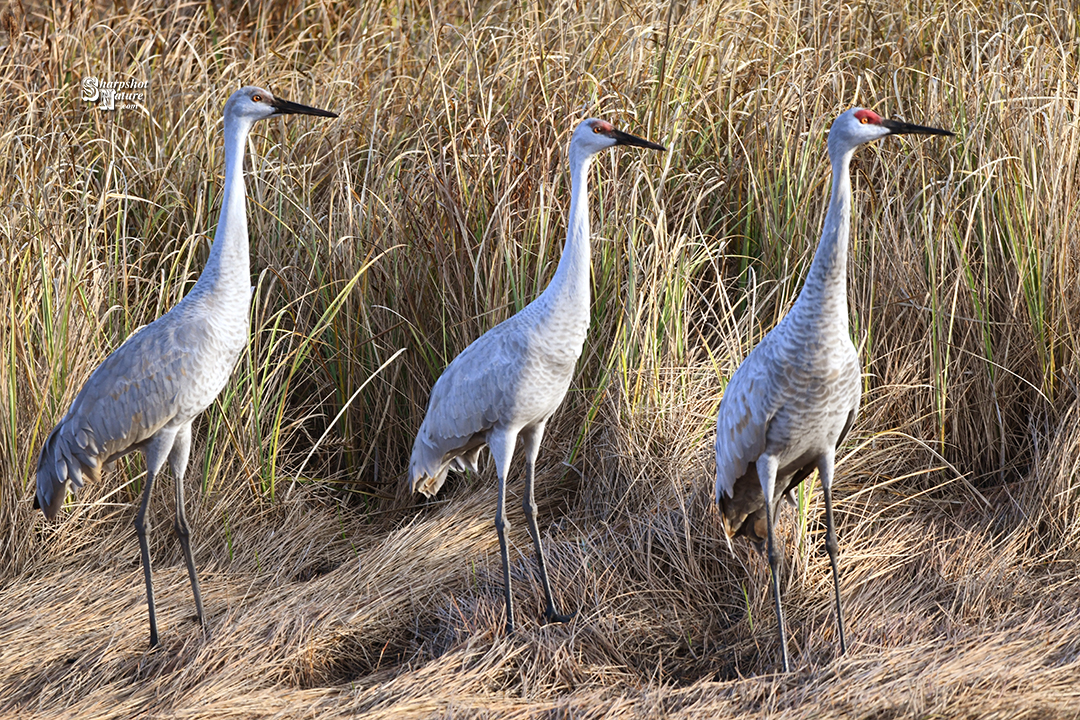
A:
(434, 208)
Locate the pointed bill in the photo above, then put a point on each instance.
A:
(286, 107)
(622, 138)
(896, 127)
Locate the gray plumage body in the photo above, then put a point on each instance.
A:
(796, 395)
(512, 378)
(153, 385)
(793, 400)
(510, 381)
(146, 394)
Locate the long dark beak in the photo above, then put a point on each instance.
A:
(622, 138)
(284, 107)
(896, 127)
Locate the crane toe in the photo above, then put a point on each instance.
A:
(554, 617)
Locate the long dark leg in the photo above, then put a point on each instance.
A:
(502, 449)
(825, 469)
(766, 467)
(144, 548)
(528, 503)
(178, 460)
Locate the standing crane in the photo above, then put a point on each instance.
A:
(793, 400)
(510, 381)
(149, 390)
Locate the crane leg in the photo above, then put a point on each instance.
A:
(532, 440)
(766, 467)
(144, 549)
(825, 470)
(155, 452)
(502, 449)
(178, 460)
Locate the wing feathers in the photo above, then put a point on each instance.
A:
(126, 400)
(474, 393)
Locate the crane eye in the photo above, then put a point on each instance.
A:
(864, 120)
(256, 98)
(596, 129)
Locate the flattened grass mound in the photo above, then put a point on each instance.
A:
(436, 207)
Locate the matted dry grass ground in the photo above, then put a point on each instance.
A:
(435, 207)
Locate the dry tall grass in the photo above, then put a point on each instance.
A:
(434, 208)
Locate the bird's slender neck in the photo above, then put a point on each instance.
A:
(571, 281)
(227, 272)
(825, 290)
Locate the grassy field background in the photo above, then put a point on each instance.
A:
(385, 241)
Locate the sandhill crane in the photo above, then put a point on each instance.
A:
(509, 382)
(793, 400)
(146, 394)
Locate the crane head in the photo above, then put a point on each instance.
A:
(594, 135)
(859, 125)
(253, 103)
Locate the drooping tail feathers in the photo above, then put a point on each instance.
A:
(427, 471)
(64, 463)
(428, 467)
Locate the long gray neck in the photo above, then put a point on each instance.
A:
(825, 292)
(227, 275)
(570, 286)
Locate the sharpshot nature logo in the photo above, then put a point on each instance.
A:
(114, 94)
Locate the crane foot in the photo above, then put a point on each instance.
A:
(554, 617)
